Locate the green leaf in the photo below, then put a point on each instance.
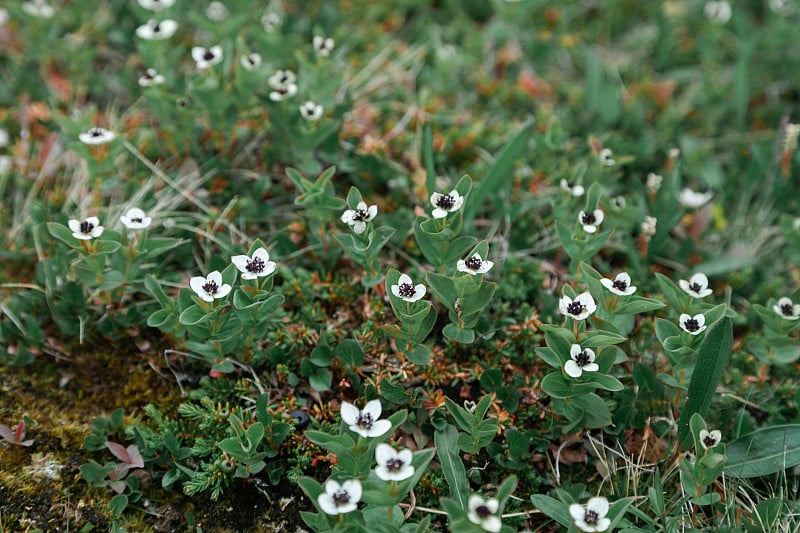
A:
(553, 508)
(420, 354)
(118, 504)
(456, 334)
(193, 315)
(712, 359)
(63, 234)
(518, 444)
(557, 386)
(350, 352)
(637, 304)
(452, 466)
(764, 451)
(501, 174)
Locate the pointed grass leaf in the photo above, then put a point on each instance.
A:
(452, 466)
(764, 451)
(712, 359)
(553, 508)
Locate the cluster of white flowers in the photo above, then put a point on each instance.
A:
(157, 30)
(90, 228)
(654, 182)
(649, 226)
(38, 8)
(574, 190)
(605, 157)
(322, 45)
(211, 287)
(205, 58)
(150, 78)
(283, 85)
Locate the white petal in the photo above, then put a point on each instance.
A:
(573, 369)
(353, 488)
(384, 453)
(222, 291)
(461, 266)
(577, 511)
(563, 303)
(349, 413)
(405, 279)
(419, 291)
(683, 284)
(359, 226)
(701, 319)
(590, 355)
(196, 283)
(215, 277)
(603, 524)
(326, 504)
(197, 53)
(474, 502)
(589, 228)
(396, 291)
(347, 216)
(623, 277)
(379, 428)
(591, 367)
(699, 279)
(372, 212)
(599, 505)
(586, 300)
(574, 350)
(240, 262)
(598, 216)
(608, 284)
(439, 213)
(75, 226)
(486, 266)
(493, 505)
(493, 524)
(373, 408)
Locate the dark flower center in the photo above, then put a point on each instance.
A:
(619, 284)
(691, 324)
(149, 75)
(787, 310)
(395, 464)
(483, 511)
(590, 517)
(137, 220)
(575, 308)
(445, 201)
(406, 290)
(582, 359)
(473, 263)
(86, 226)
(588, 218)
(341, 497)
(210, 287)
(695, 287)
(95, 132)
(251, 60)
(255, 265)
(360, 214)
(709, 441)
(208, 55)
(156, 27)
(364, 421)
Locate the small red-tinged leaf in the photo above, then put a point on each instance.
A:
(130, 455)
(136, 458)
(6, 433)
(19, 434)
(118, 486)
(16, 436)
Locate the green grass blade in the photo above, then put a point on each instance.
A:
(427, 157)
(452, 465)
(764, 451)
(712, 359)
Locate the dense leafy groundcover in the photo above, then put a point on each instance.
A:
(399, 266)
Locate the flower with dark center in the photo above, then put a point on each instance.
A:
(393, 465)
(311, 111)
(483, 513)
(87, 229)
(97, 136)
(575, 190)
(709, 439)
(580, 308)
(157, 30)
(580, 360)
(696, 287)
(366, 422)
(590, 220)
(251, 61)
(205, 58)
(357, 218)
(323, 46)
(156, 5)
(339, 499)
(474, 265)
(211, 287)
(694, 325)
(406, 290)
(150, 78)
(592, 517)
(446, 203)
(256, 266)
(621, 285)
(135, 219)
(787, 309)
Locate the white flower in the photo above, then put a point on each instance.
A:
(339, 499)
(474, 265)
(270, 21)
(446, 203)
(796, 224)
(251, 61)
(3, 138)
(205, 58)
(654, 182)
(365, 422)
(649, 226)
(790, 135)
(693, 325)
(216, 11)
(156, 5)
(135, 218)
(89, 229)
(38, 8)
(605, 158)
(150, 78)
(696, 287)
(358, 217)
(718, 12)
(621, 284)
(781, 7)
(689, 198)
(406, 290)
(709, 439)
(618, 203)
(211, 287)
(393, 465)
(580, 361)
(589, 221)
(156, 30)
(97, 136)
(3, 16)
(256, 266)
(482, 512)
(311, 111)
(283, 83)
(786, 309)
(574, 190)
(580, 308)
(323, 46)
(592, 517)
